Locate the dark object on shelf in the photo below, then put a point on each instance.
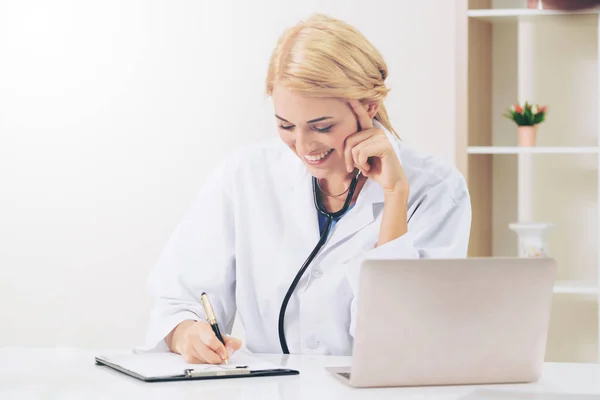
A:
(565, 5)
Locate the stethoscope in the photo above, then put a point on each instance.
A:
(313, 254)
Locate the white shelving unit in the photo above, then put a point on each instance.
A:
(532, 150)
(524, 20)
(520, 14)
(575, 287)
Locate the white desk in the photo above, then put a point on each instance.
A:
(29, 373)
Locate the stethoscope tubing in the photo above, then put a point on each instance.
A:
(313, 254)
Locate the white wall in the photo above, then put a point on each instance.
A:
(565, 186)
(113, 113)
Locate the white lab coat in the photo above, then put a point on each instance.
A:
(254, 223)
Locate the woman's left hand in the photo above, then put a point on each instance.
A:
(372, 153)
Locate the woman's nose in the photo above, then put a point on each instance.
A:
(304, 139)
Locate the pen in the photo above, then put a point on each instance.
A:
(212, 319)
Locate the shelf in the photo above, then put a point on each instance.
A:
(575, 287)
(516, 14)
(532, 150)
(511, 57)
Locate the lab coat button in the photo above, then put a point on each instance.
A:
(312, 343)
(317, 273)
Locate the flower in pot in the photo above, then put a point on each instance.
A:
(527, 118)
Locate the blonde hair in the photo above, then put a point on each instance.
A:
(326, 57)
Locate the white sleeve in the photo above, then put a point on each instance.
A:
(440, 227)
(199, 257)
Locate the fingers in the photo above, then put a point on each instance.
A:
(365, 125)
(361, 157)
(200, 345)
(362, 152)
(215, 346)
(194, 351)
(362, 117)
(351, 142)
(207, 354)
(232, 345)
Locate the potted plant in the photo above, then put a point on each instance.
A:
(527, 118)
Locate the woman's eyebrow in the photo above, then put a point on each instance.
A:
(312, 121)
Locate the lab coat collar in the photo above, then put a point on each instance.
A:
(306, 215)
(360, 216)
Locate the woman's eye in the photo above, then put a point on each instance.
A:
(287, 128)
(324, 130)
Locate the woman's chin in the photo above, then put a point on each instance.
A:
(336, 172)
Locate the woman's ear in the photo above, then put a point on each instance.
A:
(372, 109)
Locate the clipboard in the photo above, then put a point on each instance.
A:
(167, 366)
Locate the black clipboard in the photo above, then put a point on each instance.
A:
(190, 374)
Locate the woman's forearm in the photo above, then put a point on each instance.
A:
(394, 221)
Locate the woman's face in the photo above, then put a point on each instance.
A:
(315, 129)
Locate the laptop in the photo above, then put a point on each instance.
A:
(450, 322)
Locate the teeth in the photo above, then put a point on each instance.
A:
(318, 156)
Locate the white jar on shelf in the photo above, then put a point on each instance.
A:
(532, 239)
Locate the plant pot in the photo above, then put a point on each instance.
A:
(527, 135)
(532, 239)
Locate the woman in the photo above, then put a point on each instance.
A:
(255, 222)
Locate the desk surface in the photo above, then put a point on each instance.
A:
(41, 373)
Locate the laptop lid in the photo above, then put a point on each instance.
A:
(455, 321)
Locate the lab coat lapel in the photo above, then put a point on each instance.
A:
(301, 221)
(301, 225)
(304, 211)
(362, 215)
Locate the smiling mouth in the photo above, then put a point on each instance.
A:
(317, 157)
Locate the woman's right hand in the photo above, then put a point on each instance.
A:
(198, 344)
